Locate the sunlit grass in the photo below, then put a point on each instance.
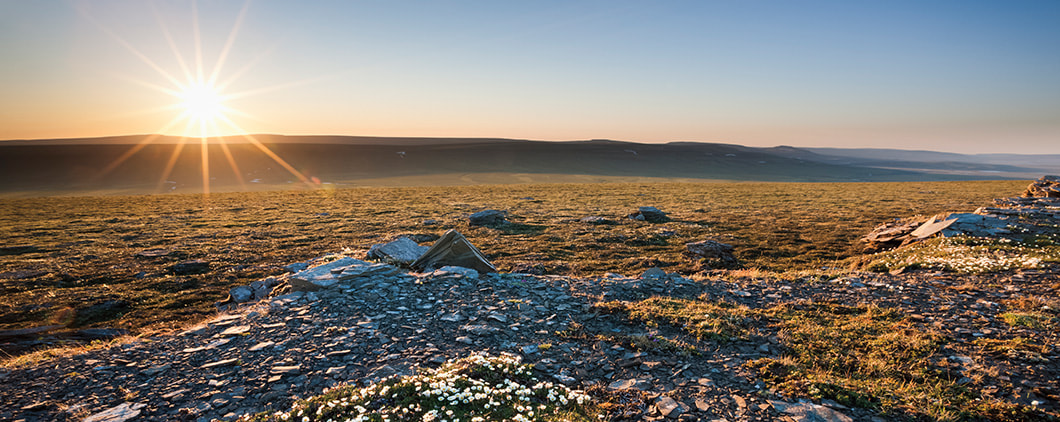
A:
(705, 320)
(858, 356)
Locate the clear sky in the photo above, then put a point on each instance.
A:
(965, 76)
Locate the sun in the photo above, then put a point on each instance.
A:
(202, 103)
(199, 101)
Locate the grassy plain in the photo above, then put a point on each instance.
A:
(85, 271)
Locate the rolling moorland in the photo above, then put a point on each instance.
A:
(138, 164)
(791, 322)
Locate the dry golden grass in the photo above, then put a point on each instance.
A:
(85, 272)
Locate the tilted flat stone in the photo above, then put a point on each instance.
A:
(454, 249)
(932, 226)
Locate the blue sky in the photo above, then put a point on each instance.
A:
(967, 76)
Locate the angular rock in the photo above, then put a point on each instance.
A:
(891, 234)
(809, 412)
(296, 267)
(622, 384)
(455, 250)
(710, 254)
(488, 218)
(235, 330)
(650, 214)
(240, 294)
(260, 289)
(669, 407)
(403, 250)
(594, 219)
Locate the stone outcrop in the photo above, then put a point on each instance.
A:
(1034, 212)
(1045, 187)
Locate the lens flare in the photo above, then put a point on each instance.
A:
(202, 103)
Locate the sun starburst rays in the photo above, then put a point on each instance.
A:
(199, 101)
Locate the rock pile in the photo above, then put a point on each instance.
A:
(1038, 210)
(1045, 187)
(1010, 218)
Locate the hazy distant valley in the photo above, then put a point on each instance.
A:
(137, 164)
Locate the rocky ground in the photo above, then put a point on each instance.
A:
(263, 355)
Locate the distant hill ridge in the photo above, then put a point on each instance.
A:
(139, 161)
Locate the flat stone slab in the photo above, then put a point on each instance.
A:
(324, 275)
(119, 413)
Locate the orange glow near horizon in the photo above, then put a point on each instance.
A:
(200, 105)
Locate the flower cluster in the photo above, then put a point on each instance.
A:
(477, 388)
(968, 255)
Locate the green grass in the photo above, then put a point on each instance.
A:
(87, 244)
(477, 388)
(858, 356)
(1036, 320)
